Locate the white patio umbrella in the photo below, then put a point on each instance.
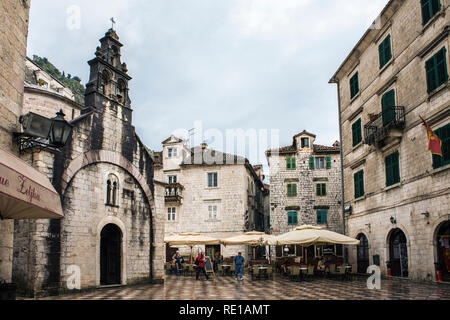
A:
(253, 239)
(308, 235)
(190, 239)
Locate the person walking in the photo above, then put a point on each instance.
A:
(178, 260)
(239, 266)
(200, 266)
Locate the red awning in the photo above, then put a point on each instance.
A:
(25, 193)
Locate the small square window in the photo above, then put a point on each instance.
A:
(305, 142)
(292, 218)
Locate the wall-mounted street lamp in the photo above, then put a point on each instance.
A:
(44, 133)
(61, 130)
(393, 220)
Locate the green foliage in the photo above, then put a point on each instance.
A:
(72, 83)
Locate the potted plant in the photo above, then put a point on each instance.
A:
(7, 290)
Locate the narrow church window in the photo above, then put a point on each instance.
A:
(112, 188)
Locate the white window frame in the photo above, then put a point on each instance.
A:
(212, 211)
(170, 179)
(171, 214)
(172, 152)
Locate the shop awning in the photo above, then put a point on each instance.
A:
(25, 193)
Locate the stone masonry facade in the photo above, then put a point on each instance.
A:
(13, 44)
(417, 205)
(305, 175)
(238, 197)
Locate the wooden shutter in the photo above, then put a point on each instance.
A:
(328, 158)
(388, 101)
(311, 163)
(441, 67)
(318, 189)
(324, 189)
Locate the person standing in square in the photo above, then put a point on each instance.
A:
(239, 266)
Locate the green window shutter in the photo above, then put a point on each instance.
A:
(354, 85)
(291, 163)
(322, 216)
(436, 70)
(429, 9)
(292, 217)
(292, 190)
(392, 169)
(441, 66)
(444, 134)
(318, 189)
(324, 189)
(359, 184)
(311, 163)
(328, 159)
(388, 102)
(384, 51)
(356, 132)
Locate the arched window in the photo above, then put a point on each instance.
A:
(104, 81)
(112, 189)
(121, 92)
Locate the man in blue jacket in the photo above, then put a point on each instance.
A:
(239, 266)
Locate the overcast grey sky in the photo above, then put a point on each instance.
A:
(250, 64)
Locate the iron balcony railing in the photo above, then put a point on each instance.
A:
(174, 192)
(380, 125)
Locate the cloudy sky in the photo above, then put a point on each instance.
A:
(231, 64)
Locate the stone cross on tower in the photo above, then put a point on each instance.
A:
(113, 22)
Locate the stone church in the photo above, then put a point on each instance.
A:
(112, 230)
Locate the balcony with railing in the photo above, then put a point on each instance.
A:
(174, 193)
(385, 125)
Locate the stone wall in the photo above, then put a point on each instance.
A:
(421, 188)
(13, 43)
(48, 104)
(307, 202)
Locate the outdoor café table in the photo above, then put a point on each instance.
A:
(226, 268)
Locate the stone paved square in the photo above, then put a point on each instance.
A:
(280, 288)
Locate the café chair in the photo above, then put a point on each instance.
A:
(255, 273)
(269, 272)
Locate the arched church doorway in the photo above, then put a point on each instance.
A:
(443, 249)
(110, 255)
(362, 255)
(398, 253)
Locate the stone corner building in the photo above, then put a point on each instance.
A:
(397, 192)
(305, 187)
(112, 229)
(13, 46)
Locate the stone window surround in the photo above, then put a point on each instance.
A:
(119, 190)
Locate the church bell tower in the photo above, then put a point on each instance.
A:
(107, 89)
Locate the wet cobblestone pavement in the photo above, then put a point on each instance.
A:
(280, 288)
